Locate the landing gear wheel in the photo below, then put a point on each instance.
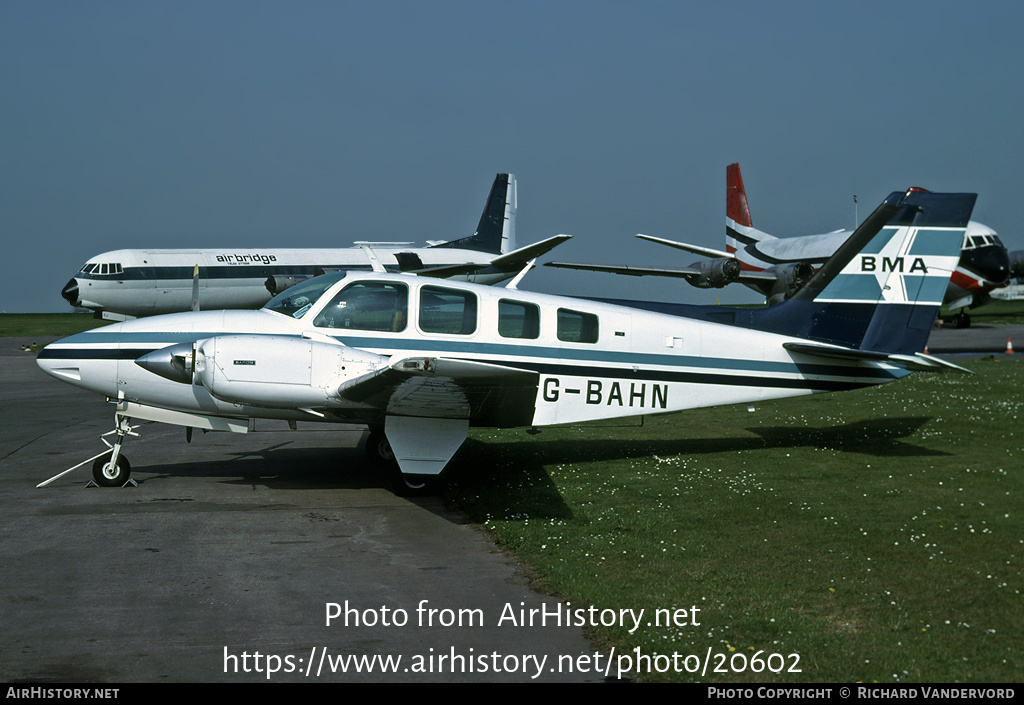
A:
(412, 485)
(108, 474)
(961, 320)
(378, 450)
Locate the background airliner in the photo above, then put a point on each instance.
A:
(132, 283)
(779, 267)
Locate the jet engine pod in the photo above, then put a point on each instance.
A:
(279, 371)
(276, 283)
(1017, 263)
(791, 278)
(716, 273)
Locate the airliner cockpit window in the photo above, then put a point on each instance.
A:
(297, 300)
(378, 306)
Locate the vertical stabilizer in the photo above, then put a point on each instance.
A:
(496, 231)
(739, 227)
(882, 289)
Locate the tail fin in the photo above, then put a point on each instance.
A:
(496, 231)
(739, 227)
(882, 289)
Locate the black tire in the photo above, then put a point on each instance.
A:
(378, 450)
(105, 475)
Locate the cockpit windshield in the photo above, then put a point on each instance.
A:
(296, 300)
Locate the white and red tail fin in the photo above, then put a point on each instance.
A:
(739, 227)
(736, 208)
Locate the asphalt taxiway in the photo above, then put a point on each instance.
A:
(235, 545)
(980, 338)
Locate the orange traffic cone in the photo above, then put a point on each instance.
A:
(1009, 346)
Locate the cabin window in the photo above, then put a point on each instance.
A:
(447, 311)
(378, 306)
(518, 320)
(576, 327)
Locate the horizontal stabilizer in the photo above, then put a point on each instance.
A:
(514, 260)
(918, 362)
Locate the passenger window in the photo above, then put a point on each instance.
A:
(375, 306)
(447, 311)
(576, 327)
(518, 320)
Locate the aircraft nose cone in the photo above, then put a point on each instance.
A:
(70, 293)
(173, 362)
(994, 264)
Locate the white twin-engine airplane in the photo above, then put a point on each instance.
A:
(420, 362)
(130, 283)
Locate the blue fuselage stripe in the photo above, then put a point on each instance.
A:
(576, 362)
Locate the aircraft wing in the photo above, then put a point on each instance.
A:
(677, 272)
(511, 260)
(487, 394)
(696, 249)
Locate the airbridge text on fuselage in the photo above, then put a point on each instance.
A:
(254, 258)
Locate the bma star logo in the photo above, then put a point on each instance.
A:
(900, 265)
(889, 265)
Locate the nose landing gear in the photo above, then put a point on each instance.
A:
(110, 468)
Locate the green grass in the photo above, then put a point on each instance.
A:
(877, 534)
(22, 325)
(994, 311)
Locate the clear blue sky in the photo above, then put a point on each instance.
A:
(249, 123)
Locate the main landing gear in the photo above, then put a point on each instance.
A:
(110, 468)
(379, 452)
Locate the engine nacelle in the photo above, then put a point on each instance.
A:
(791, 278)
(279, 371)
(715, 273)
(276, 283)
(1017, 263)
